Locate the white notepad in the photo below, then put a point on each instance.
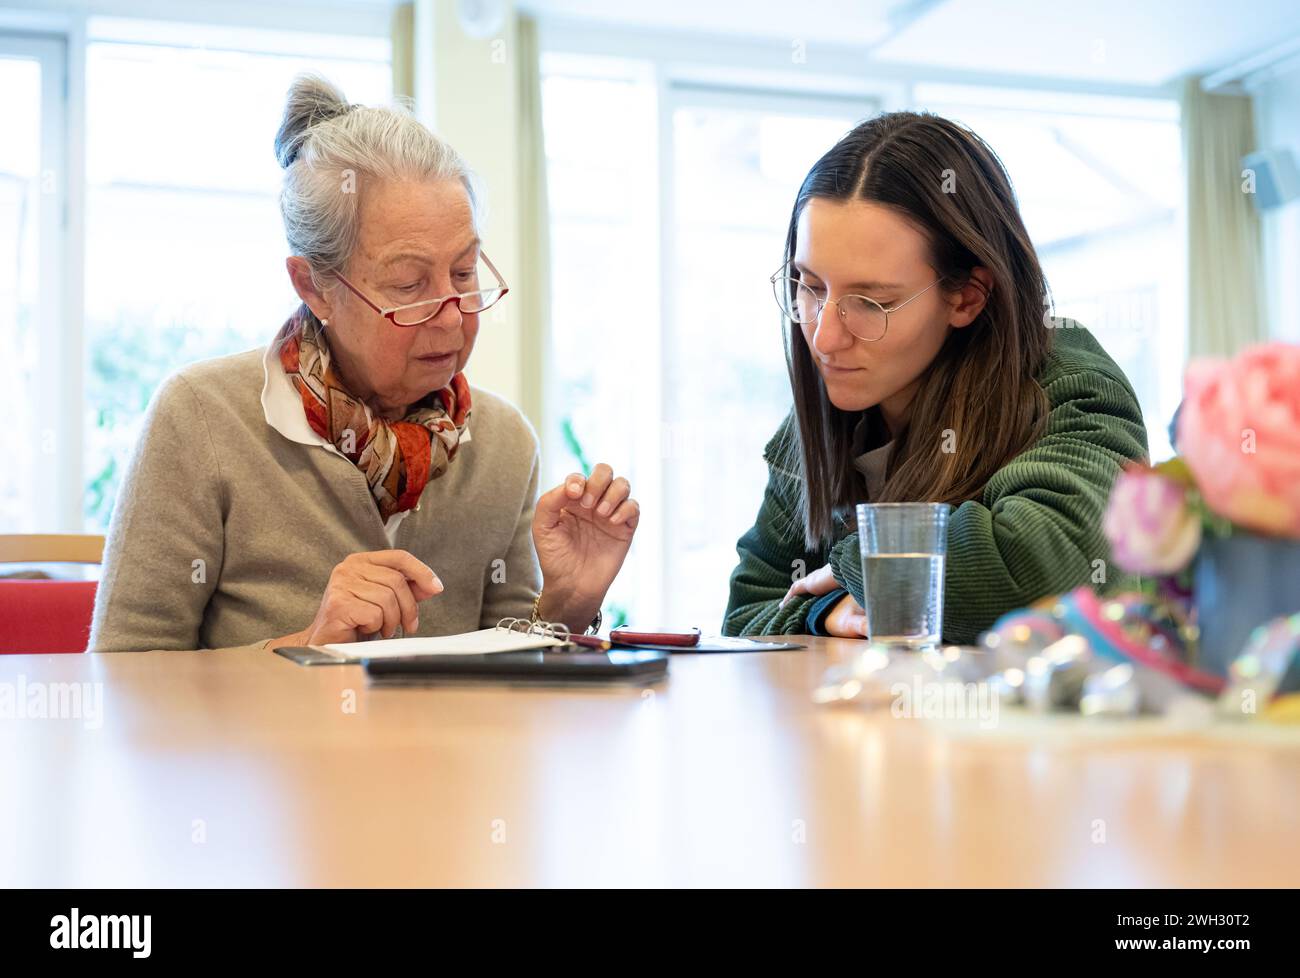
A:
(470, 643)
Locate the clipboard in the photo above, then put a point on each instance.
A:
(508, 635)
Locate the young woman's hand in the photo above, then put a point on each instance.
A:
(582, 531)
(819, 582)
(846, 619)
(367, 594)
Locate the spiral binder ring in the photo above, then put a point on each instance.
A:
(546, 629)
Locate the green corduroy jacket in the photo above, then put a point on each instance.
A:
(1035, 531)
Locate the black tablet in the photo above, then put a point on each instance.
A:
(631, 666)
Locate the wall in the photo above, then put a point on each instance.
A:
(466, 91)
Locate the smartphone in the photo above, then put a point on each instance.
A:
(655, 636)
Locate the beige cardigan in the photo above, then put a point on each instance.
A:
(225, 530)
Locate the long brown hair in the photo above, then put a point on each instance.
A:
(979, 396)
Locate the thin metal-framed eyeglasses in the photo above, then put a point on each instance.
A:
(861, 315)
(418, 313)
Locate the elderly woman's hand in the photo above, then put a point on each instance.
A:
(582, 530)
(367, 594)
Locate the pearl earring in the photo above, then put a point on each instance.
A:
(324, 322)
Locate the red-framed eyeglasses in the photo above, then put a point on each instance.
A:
(416, 313)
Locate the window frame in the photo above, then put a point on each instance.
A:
(61, 32)
(56, 417)
(679, 84)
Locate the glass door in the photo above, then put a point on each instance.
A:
(737, 161)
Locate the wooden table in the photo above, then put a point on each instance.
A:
(216, 769)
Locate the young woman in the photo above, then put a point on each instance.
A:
(925, 367)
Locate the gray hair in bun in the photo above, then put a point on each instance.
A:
(327, 146)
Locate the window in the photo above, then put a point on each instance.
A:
(182, 256)
(603, 386)
(31, 325)
(737, 163)
(669, 206)
(1108, 232)
(184, 245)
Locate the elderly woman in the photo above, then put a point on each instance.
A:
(347, 481)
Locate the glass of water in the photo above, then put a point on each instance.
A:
(903, 550)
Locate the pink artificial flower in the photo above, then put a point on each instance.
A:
(1239, 433)
(1150, 527)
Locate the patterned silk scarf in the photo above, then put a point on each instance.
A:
(398, 458)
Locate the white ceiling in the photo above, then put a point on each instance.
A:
(1136, 42)
(856, 23)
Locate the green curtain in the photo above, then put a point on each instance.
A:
(403, 34)
(534, 224)
(1225, 295)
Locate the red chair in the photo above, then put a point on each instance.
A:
(44, 616)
